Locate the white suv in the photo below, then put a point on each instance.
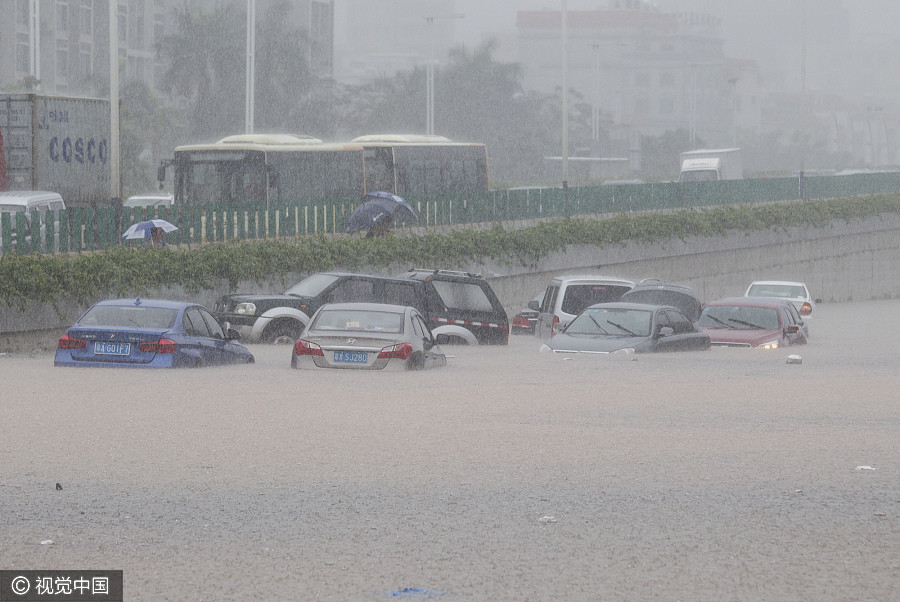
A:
(568, 296)
(796, 292)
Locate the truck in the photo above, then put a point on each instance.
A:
(711, 164)
(55, 143)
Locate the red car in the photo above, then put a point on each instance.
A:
(761, 322)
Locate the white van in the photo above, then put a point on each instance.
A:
(568, 296)
(13, 202)
(150, 200)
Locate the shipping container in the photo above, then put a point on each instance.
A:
(57, 143)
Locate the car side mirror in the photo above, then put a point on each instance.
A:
(666, 331)
(442, 339)
(533, 305)
(230, 333)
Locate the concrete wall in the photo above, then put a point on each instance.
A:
(840, 262)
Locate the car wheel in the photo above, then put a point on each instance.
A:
(284, 332)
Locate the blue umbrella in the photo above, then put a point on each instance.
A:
(378, 207)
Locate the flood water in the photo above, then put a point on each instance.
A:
(507, 475)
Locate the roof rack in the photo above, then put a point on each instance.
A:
(449, 272)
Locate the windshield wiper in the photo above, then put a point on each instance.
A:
(743, 323)
(718, 321)
(603, 330)
(622, 328)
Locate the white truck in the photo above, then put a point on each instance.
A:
(711, 164)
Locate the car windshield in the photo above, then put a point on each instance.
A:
(741, 317)
(312, 285)
(130, 316)
(786, 291)
(612, 322)
(358, 321)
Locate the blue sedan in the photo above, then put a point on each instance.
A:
(142, 333)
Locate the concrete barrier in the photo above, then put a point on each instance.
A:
(843, 261)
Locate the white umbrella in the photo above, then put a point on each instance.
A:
(142, 229)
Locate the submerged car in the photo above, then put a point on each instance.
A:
(796, 292)
(367, 336)
(762, 322)
(524, 321)
(628, 327)
(145, 333)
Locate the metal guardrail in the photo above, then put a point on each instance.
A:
(101, 228)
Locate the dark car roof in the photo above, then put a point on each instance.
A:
(624, 305)
(751, 301)
(675, 295)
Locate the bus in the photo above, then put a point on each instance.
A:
(263, 169)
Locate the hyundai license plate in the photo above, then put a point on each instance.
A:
(105, 348)
(351, 357)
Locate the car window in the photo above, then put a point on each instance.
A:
(129, 316)
(311, 286)
(194, 324)
(740, 317)
(401, 293)
(214, 329)
(420, 328)
(358, 320)
(786, 291)
(579, 296)
(351, 290)
(462, 295)
(549, 300)
(679, 323)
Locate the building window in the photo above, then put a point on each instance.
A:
(87, 17)
(666, 79)
(666, 106)
(62, 61)
(62, 16)
(23, 53)
(22, 12)
(159, 28)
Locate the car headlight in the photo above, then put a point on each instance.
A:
(245, 309)
(769, 345)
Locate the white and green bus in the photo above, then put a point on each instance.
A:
(262, 169)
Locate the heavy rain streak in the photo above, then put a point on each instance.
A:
(231, 136)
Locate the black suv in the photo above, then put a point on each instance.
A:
(463, 306)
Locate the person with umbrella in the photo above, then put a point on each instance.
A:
(150, 232)
(381, 227)
(377, 212)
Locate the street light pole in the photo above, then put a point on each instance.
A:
(565, 107)
(251, 67)
(429, 73)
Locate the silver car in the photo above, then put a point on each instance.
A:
(367, 336)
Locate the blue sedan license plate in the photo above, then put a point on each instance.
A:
(351, 357)
(104, 348)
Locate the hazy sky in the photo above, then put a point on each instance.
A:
(851, 45)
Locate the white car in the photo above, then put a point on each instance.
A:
(796, 292)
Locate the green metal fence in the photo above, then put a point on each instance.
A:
(81, 230)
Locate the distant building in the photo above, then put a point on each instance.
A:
(63, 45)
(644, 72)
